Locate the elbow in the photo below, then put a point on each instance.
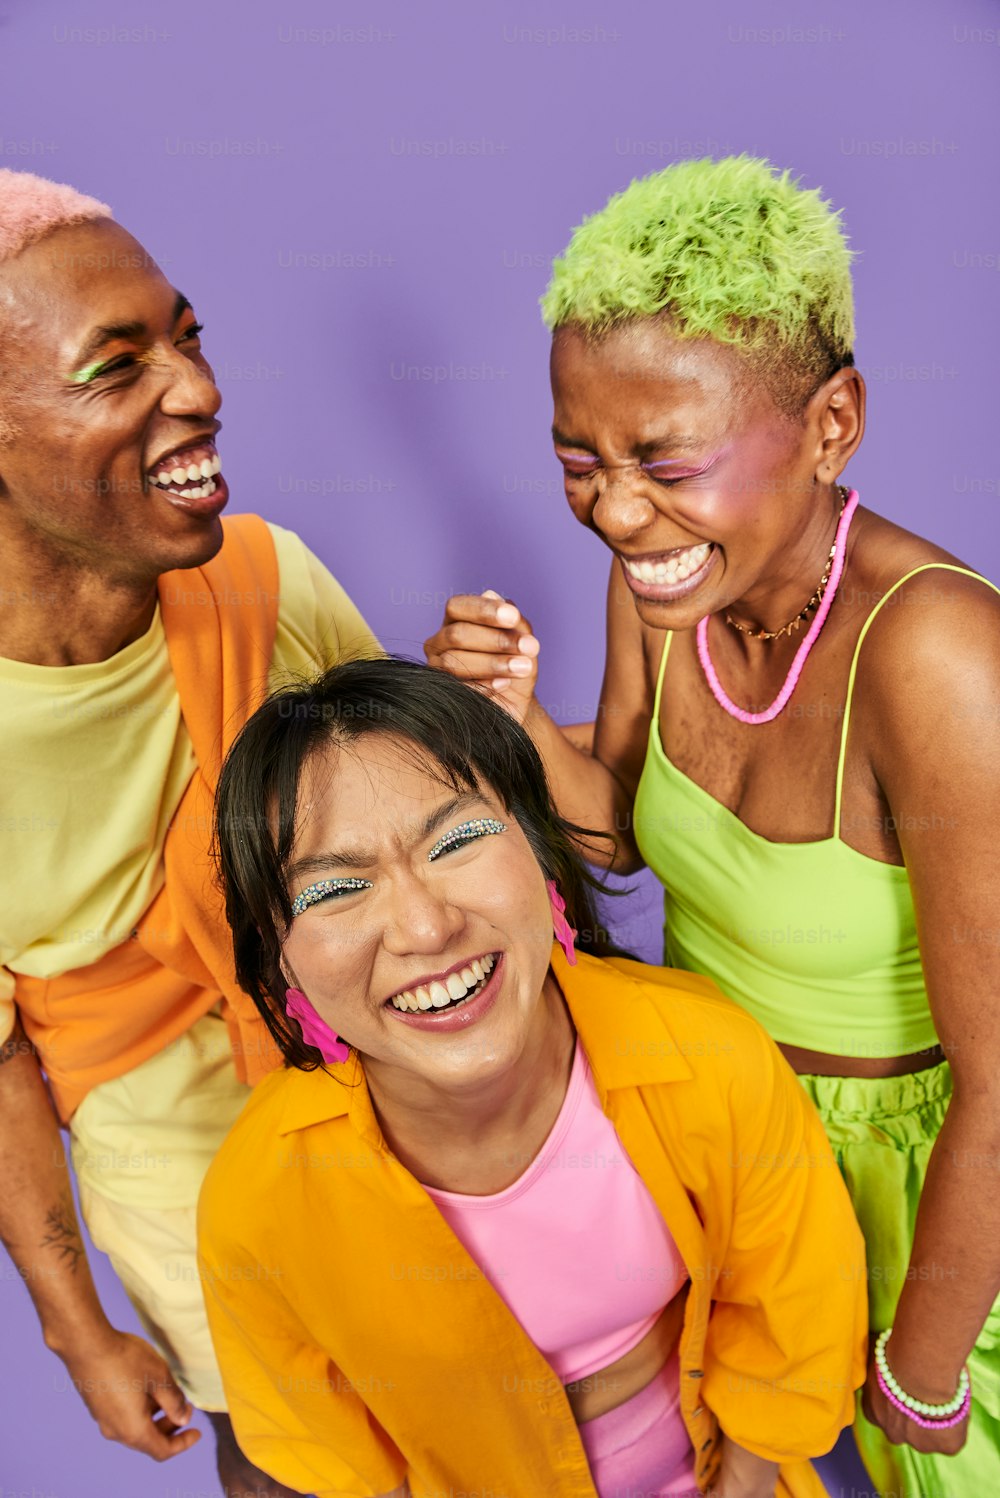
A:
(974, 1111)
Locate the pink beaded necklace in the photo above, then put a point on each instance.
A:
(795, 670)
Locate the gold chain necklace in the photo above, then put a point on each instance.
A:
(814, 602)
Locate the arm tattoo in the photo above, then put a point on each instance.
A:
(63, 1234)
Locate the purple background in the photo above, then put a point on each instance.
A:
(362, 202)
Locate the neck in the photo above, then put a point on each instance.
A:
(58, 610)
(778, 597)
(424, 1122)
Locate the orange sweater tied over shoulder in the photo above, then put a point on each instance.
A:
(98, 1022)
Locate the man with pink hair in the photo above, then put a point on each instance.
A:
(137, 632)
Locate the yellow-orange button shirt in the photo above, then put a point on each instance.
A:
(360, 1344)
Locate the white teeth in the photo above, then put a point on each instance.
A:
(676, 570)
(206, 468)
(201, 492)
(438, 994)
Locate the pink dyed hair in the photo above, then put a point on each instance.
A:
(31, 207)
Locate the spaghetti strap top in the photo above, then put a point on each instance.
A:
(815, 939)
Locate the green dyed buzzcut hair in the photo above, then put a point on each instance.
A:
(731, 250)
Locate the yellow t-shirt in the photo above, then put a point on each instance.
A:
(94, 760)
(93, 764)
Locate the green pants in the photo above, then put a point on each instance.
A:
(882, 1133)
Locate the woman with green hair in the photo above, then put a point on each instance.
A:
(797, 733)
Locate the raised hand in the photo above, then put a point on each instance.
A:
(488, 642)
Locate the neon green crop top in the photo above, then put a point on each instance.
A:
(815, 940)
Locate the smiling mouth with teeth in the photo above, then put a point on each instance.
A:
(452, 992)
(676, 569)
(188, 474)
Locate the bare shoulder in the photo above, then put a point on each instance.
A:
(935, 640)
(945, 594)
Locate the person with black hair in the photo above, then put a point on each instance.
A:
(519, 1215)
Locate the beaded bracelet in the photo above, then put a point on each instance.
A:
(925, 1424)
(936, 1413)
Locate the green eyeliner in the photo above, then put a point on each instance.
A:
(83, 376)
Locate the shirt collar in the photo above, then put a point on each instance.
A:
(624, 1032)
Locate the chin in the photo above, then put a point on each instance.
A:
(180, 553)
(668, 615)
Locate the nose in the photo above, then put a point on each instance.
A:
(622, 509)
(418, 918)
(190, 388)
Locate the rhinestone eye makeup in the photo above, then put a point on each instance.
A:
(313, 893)
(466, 832)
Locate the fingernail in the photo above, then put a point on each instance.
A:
(499, 683)
(507, 614)
(528, 645)
(489, 593)
(519, 667)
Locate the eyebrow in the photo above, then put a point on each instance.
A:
(677, 440)
(363, 858)
(110, 332)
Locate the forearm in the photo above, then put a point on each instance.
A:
(954, 1271)
(38, 1222)
(585, 791)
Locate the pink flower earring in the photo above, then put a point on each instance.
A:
(315, 1031)
(562, 930)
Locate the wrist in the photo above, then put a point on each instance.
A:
(537, 719)
(929, 1379)
(79, 1336)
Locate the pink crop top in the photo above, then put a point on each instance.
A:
(576, 1246)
